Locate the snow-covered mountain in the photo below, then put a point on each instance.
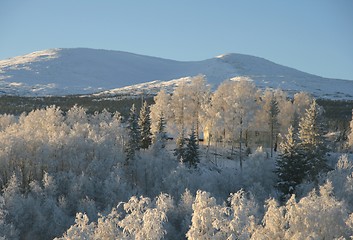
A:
(86, 71)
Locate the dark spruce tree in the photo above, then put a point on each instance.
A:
(273, 123)
(133, 130)
(160, 136)
(192, 150)
(179, 151)
(291, 166)
(144, 123)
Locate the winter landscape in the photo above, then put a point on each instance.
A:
(227, 120)
(230, 159)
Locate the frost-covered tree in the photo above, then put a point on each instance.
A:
(232, 108)
(7, 231)
(186, 103)
(144, 123)
(342, 180)
(275, 114)
(198, 93)
(192, 150)
(133, 129)
(243, 215)
(273, 223)
(291, 166)
(312, 141)
(235, 220)
(179, 101)
(6, 120)
(287, 111)
(143, 220)
(205, 218)
(317, 216)
(301, 102)
(161, 107)
(82, 229)
(219, 116)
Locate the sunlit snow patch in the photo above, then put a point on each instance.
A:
(241, 78)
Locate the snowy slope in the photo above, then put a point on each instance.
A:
(85, 71)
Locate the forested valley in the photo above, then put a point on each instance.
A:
(236, 163)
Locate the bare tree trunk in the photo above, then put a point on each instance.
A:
(240, 142)
(240, 153)
(208, 146)
(146, 178)
(271, 140)
(233, 136)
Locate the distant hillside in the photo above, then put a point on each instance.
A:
(62, 72)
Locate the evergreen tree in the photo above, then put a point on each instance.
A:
(192, 150)
(144, 123)
(291, 166)
(133, 134)
(312, 141)
(273, 112)
(180, 147)
(160, 136)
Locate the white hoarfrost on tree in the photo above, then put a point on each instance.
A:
(273, 223)
(232, 107)
(291, 166)
(199, 93)
(145, 219)
(267, 117)
(160, 108)
(206, 218)
(316, 216)
(302, 101)
(311, 135)
(7, 231)
(287, 111)
(178, 104)
(213, 221)
(186, 103)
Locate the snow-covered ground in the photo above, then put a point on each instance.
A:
(86, 71)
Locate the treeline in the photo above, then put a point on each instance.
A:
(16, 105)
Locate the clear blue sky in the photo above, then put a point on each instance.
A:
(314, 36)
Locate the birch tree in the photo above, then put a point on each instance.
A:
(233, 106)
(160, 108)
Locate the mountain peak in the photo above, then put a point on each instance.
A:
(63, 71)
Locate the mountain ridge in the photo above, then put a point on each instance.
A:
(65, 71)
